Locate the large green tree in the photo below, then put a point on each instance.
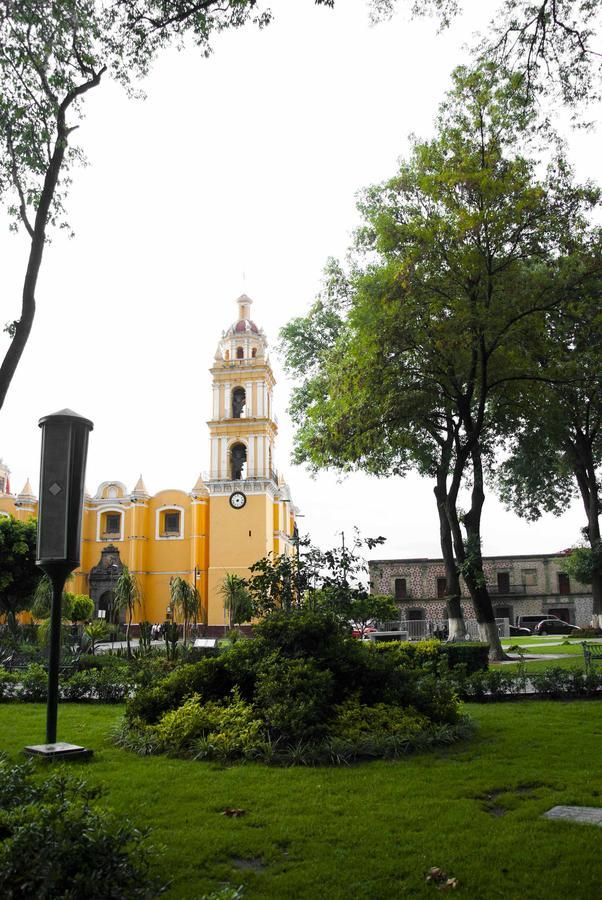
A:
(555, 433)
(461, 256)
(52, 54)
(19, 574)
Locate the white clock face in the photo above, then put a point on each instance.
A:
(237, 500)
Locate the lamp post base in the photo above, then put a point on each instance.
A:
(58, 751)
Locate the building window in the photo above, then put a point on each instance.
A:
(415, 615)
(113, 523)
(564, 583)
(529, 577)
(503, 612)
(503, 582)
(227, 355)
(401, 591)
(254, 352)
(240, 353)
(170, 523)
(441, 587)
(110, 526)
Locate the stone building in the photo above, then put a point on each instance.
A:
(518, 585)
(238, 512)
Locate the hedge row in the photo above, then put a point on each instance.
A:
(474, 656)
(100, 685)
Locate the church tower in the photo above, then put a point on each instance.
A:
(251, 513)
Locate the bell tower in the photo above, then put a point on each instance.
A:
(242, 427)
(250, 510)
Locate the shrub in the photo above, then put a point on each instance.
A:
(8, 682)
(56, 843)
(588, 631)
(209, 679)
(474, 656)
(355, 721)
(429, 654)
(294, 697)
(80, 686)
(34, 683)
(313, 634)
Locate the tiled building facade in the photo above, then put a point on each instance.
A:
(518, 585)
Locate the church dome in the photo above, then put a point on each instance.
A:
(244, 325)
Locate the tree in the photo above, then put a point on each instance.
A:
(185, 599)
(52, 54)
(19, 574)
(42, 600)
(552, 45)
(237, 600)
(461, 256)
(555, 441)
(82, 608)
(126, 599)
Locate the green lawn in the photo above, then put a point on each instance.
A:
(571, 651)
(371, 830)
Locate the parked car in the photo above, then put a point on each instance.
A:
(531, 621)
(516, 631)
(357, 631)
(554, 626)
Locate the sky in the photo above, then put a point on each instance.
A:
(237, 173)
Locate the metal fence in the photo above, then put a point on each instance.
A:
(422, 629)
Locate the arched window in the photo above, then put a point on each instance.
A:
(254, 352)
(238, 462)
(240, 353)
(238, 402)
(227, 356)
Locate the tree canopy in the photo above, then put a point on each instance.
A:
(406, 358)
(52, 53)
(19, 574)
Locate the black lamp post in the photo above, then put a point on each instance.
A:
(64, 450)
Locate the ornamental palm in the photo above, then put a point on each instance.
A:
(126, 598)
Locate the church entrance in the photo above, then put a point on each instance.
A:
(102, 580)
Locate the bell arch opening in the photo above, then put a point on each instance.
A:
(239, 399)
(238, 462)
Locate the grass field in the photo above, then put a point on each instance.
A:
(571, 651)
(371, 830)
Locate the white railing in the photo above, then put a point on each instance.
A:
(422, 629)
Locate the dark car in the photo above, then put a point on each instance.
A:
(517, 631)
(554, 626)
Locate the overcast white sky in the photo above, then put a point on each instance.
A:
(237, 173)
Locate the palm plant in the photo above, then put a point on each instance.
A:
(237, 601)
(126, 599)
(96, 631)
(185, 599)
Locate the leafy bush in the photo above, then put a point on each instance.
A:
(34, 683)
(294, 697)
(211, 729)
(8, 682)
(57, 843)
(474, 656)
(80, 686)
(587, 631)
(355, 721)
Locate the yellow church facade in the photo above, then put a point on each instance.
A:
(236, 513)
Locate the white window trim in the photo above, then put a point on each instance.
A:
(99, 515)
(169, 537)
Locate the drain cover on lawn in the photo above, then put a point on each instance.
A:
(588, 815)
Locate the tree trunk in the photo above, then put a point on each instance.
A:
(581, 459)
(457, 627)
(127, 633)
(468, 554)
